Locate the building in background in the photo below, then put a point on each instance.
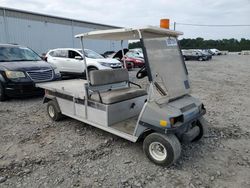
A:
(43, 32)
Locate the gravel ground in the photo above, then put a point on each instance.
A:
(36, 152)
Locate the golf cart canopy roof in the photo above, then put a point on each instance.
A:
(129, 33)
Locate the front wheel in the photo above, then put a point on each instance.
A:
(92, 69)
(200, 59)
(162, 149)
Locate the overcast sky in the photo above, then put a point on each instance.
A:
(149, 12)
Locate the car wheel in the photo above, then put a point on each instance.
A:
(200, 59)
(89, 69)
(162, 149)
(92, 68)
(2, 93)
(54, 111)
(184, 58)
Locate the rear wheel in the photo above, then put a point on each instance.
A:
(2, 93)
(54, 111)
(162, 149)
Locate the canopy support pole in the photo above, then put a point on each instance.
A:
(85, 61)
(124, 62)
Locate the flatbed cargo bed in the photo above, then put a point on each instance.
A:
(73, 87)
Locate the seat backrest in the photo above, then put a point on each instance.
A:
(108, 76)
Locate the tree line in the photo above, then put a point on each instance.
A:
(232, 45)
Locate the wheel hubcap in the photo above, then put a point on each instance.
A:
(51, 111)
(158, 151)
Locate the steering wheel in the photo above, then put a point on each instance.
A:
(141, 73)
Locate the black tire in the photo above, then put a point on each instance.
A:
(54, 111)
(184, 58)
(202, 124)
(92, 68)
(2, 93)
(89, 70)
(200, 59)
(168, 143)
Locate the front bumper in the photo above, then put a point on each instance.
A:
(186, 125)
(184, 132)
(22, 89)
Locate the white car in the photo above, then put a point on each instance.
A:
(215, 51)
(69, 61)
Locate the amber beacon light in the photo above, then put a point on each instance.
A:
(164, 23)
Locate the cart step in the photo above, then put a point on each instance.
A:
(127, 126)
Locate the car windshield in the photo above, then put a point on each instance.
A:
(91, 54)
(17, 54)
(133, 54)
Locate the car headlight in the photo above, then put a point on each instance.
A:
(105, 64)
(138, 61)
(15, 74)
(56, 70)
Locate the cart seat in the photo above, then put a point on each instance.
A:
(118, 95)
(108, 78)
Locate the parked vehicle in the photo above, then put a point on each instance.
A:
(137, 52)
(107, 53)
(131, 58)
(20, 69)
(136, 59)
(194, 55)
(206, 53)
(164, 115)
(215, 51)
(70, 61)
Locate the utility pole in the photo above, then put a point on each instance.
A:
(174, 25)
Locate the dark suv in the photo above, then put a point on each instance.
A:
(195, 55)
(20, 69)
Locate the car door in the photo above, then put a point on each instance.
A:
(189, 55)
(58, 57)
(195, 55)
(52, 59)
(75, 62)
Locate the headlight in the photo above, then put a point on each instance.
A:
(56, 70)
(105, 64)
(14, 74)
(138, 61)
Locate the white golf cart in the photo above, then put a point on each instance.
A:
(163, 116)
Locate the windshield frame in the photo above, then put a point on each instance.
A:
(157, 74)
